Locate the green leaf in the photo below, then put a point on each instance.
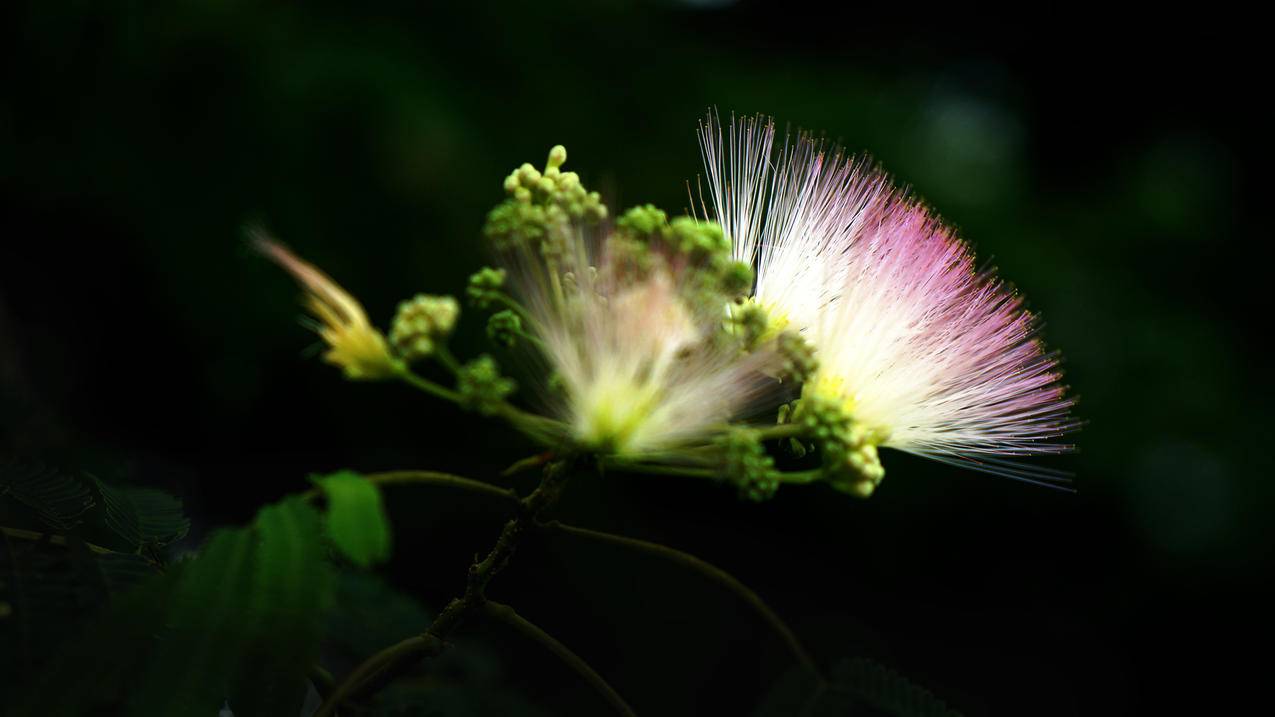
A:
(369, 614)
(357, 523)
(142, 516)
(241, 622)
(60, 500)
(286, 610)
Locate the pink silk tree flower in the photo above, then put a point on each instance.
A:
(923, 352)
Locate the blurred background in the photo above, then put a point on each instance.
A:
(1097, 164)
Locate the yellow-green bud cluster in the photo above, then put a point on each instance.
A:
(797, 357)
(481, 387)
(485, 286)
(421, 324)
(850, 460)
(644, 220)
(542, 206)
(747, 465)
(645, 232)
(503, 327)
(747, 322)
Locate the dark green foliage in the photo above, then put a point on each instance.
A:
(857, 686)
(886, 690)
(357, 524)
(54, 584)
(240, 623)
(367, 615)
(465, 680)
(44, 589)
(58, 499)
(143, 517)
(438, 700)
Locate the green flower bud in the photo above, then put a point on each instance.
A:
(642, 220)
(736, 278)
(481, 387)
(797, 357)
(484, 286)
(421, 323)
(848, 449)
(542, 207)
(747, 466)
(503, 327)
(747, 321)
(701, 241)
(557, 157)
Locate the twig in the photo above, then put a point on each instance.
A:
(386, 663)
(52, 539)
(708, 570)
(526, 464)
(509, 616)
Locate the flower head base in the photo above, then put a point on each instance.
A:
(354, 345)
(914, 345)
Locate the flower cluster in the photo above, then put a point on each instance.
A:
(821, 310)
(923, 351)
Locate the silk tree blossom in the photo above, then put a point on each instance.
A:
(934, 356)
(638, 372)
(924, 352)
(629, 320)
(789, 210)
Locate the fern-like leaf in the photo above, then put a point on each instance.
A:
(858, 687)
(58, 500)
(142, 517)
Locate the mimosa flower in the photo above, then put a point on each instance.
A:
(920, 351)
(638, 368)
(354, 345)
(629, 321)
(790, 213)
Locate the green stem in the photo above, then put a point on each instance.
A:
(428, 386)
(536, 427)
(445, 357)
(793, 478)
(509, 616)
(59, 540)
(372, 667)
(709, 571)
(781, 430)
(532, 339)
(322, 680)
(801, 477)
(659, 469)
(384, 665)
(432, 478)
(517, 308)
(525, 464)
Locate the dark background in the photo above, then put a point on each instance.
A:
(1096, 161)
